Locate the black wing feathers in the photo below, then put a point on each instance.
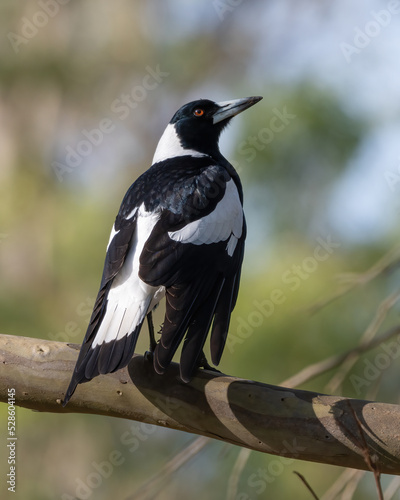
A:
(89, 363)
(201, 281)
(197, 332)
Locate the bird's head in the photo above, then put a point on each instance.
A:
(197, 126)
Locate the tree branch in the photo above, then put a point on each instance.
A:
(287, 422)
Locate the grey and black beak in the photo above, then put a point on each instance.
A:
(228, 109)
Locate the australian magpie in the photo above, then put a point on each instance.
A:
(179, 233)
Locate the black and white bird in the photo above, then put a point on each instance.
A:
(179, 233)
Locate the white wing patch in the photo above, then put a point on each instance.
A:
(129, 298)
(225, 222)
(132, 213)
(113, 233)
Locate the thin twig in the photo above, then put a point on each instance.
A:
(155, 481)
(327, 364)
(371, 463)
(392, 488)
(384, 307)
(304, 480)
(237, 470)
(345, 477)
(351, 486)
(389, 261)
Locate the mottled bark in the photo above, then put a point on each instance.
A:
(287, 422)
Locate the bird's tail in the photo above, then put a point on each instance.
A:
(188, 309)
(110, 345)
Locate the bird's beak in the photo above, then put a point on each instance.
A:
(227, 109)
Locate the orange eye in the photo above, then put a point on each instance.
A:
(198, 112)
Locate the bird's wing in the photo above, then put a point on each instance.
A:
(116, 320)
(196, 254)
(187, 236)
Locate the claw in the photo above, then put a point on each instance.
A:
(206, 365)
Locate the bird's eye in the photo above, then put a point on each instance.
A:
(198, 112)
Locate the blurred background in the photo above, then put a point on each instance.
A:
(86, 90)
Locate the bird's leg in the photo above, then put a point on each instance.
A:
(150, 324)
(203, 363)
(149, 354)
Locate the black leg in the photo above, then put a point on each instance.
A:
(150, 325)
(149, 354)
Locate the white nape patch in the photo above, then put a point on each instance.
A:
(169, 146)
(130, 298)
(223, 223)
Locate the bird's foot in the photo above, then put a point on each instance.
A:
(206, 365)
(148, 356)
